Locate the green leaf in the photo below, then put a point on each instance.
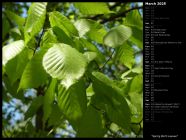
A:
(48, 99)
(132, 72)
(32, 45)
(34, 74)
(15, 18)
(97, 35)
(49, 37)
(62, 36)
(136, 100)
(91, 124)
(125, 54)
(137, 84)
(135, 128)
(135, 21)
(35, 20)
(89, 91)
(78, 45)
(92, 8)
(58, 19)
(137, 37)
(12, 50)
(114, 127)
(56, 116)
(64, 63)
(12, 88)
(5, 27)
(109, 98)
(15, 33)
(134, 18)
(85, 25)
(36, 103)
(90, 47)
(117, 36)
(17, 64)
(72, 101)
(138, 69)
(92, 29)
(124, 85)
(90, 56)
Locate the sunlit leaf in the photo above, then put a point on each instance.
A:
(34, 74)
(35, 20)
(84, 25)
(92, 29)
(11, 50)
(64, 63)
(58, 19)
(49, 37)
(90, 56)
(117, 36)
(17, 64)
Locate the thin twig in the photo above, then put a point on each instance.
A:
(139, 131)
(97, 65)
(107, 60)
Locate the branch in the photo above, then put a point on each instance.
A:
(42, 33)
(39, 113)
(122, 14)
(39, 41)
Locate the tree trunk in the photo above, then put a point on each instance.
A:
(39, 113)
(39, 117)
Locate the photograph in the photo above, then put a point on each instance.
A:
(72, 69)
